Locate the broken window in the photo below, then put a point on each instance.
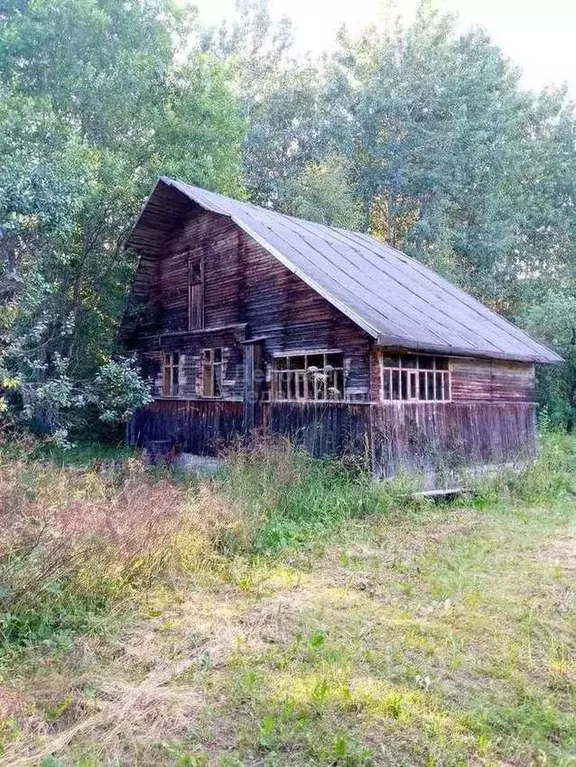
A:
(317, 376)
(212, 363)
(171, 379)
(415, 377)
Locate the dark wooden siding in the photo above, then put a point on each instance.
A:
(243, 286)
(202, 427)
(434, 436)
(475, 380)
(291, 316)
(421, 437)
(248, 294)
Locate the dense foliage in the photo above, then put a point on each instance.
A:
(96, 99)
(415, 132)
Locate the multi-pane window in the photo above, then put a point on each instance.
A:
(212, 372)
(171, 380)
(308, 377)
(415, 377)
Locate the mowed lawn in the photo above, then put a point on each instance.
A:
(439, 636)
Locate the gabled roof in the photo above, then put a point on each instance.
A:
(394, 298)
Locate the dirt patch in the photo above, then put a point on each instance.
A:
(561, 552)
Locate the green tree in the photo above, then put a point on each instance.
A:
(100, 97)
(553, 320)
(322, 192)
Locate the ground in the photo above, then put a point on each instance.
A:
(442, 636)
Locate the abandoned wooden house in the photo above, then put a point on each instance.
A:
(249, 320)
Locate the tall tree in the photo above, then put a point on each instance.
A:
(120, 98)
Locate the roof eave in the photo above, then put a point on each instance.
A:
(388, 341)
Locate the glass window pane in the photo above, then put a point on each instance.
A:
(439, 385)
(386, 388)
(280, 363)
(413, 386)
(409, 362)
(217, 355)
(291, 386)
(404, 382)
(429, 385)
(391, 362)
(284, 386)
(395, 384)
(336, 360)
(421, 385)
(217, 382)
(296, 363)
(441, 363)
(315, 361)
(426, 363)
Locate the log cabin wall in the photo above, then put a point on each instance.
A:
(476, 380)
(247, 294)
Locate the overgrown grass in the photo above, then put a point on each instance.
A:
(291, 498)
(284, 611)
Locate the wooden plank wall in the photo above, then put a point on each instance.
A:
(424, 437)
(325, 429)
(243, 285)
(430, 436)
(477, 380)
(202, 427)
(248, 294)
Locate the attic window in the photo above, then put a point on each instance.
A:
(212, 372)
(171, 375)
(195, 292)
(305, 377)
(412, 377)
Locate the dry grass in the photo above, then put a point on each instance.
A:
(434, 636)
(74, 542)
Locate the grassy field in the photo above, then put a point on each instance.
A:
(285, 612)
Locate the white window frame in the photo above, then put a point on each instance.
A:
(316, 380)
(413, 380)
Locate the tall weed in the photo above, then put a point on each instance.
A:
(290, 497)
(73, 542)
(550, 477)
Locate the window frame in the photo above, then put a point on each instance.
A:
(212, 371)
(406, 379)
(288, 379)
(171, 364)
(195, 291)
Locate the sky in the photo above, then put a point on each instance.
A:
(539, 35)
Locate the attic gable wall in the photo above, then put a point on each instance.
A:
(244, 285)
